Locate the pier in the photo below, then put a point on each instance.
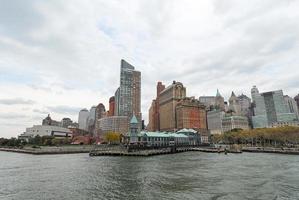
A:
(122, 151)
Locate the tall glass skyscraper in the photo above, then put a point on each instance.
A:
(270, 107)
(128, 97)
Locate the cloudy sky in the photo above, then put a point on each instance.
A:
(60, 56)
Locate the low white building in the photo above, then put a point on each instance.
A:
(234, 122)
(45, 130)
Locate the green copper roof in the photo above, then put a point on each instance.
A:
(163, 134)
(134, 120)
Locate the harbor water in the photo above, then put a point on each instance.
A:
(189, 175)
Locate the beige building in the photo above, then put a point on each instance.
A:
(154, 111)
(234, 105)
(136, 96)
(168, 101)
(116, 124)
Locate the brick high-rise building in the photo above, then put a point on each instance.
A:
(111, 106)
(154, 116)
(172, 110)
(136, 96)
(152, 125)
(190, 113)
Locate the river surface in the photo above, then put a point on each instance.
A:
(189, 175)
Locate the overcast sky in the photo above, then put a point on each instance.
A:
(58, 56)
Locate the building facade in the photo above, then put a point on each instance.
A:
(208, 101)
(100, 114)
(152, 123)
(154, 111)
(234, 122)
(296, 98)
(129, 93)
(115, 124)
(234, 105)
(82, 120)
(168, 101)
(191, 114)
(111, 106)
(116, 99)
(66, 122)
(292, 105)
(46, 130)
(245, 103)
(214, 119)
(270, 107)
(50, 122)
(219, 102)
(213, 102)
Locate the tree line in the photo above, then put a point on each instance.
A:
(35, 141)
(280, 136)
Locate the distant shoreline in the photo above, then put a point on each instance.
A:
(48, 150)
(289, 151)
(74, 149)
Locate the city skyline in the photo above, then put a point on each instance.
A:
(63, 67)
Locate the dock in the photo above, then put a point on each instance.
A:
(121, 151)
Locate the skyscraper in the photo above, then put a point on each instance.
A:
(270, 107)
(154, 114)
(219, 101)
(245, 103)
(246, 107)
(213, 102)
(297, 101)
(82, 120)
(128, 96)
(168, 100)
(100, 113)
(111, 106)
(91, 120)
(116, 99)
(292, 105)
(234, 105)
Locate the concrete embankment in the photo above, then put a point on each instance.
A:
(292, 151)
(45, 150)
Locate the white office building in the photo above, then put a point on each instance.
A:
(82, 120)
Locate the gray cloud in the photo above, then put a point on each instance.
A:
(40, 111)
(63, 109)
(16, 101)
(18, 18)
(10, 116)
